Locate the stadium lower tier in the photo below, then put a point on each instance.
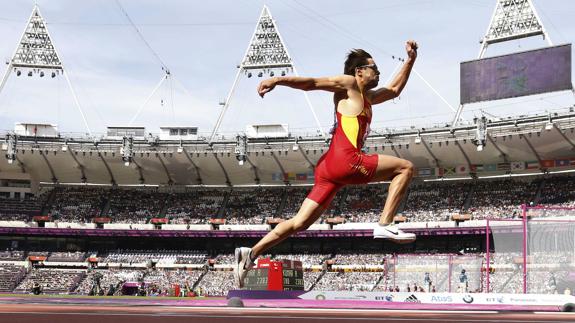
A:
(162, 273)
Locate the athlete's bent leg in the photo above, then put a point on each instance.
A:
(400, 172)
(308, 213)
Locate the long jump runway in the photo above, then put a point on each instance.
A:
(59, 313)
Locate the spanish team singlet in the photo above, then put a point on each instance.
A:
(344, 162)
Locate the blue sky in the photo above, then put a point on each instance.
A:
(113, 71)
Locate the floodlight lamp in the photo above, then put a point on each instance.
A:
(241, 162)
(480, 147)
(41, 74)
(127, 163)
(10, 161)
(295, 147)
(549, 126)
(180, 150)
(260, 74)
(30, 73)
(249, 74)
(417, 140)
(53, 74)
(18, 73)
(64, 147)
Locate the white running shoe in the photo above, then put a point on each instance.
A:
(392, 232)
(243, 263)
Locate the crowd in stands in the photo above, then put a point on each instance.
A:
(135, 205)
(161, 257)
(216, 283)
(54, 281)
(10, 276)
(163, 280)
(548, 272)
(501, 199)
(68, 256)
(435, 201)
(253, 206)
(560, 191)
(15, 255)
(71, 204)
(194, 207)
(425, 202)
(360, 259)
(306, 259)
(350, 280)
(108, 277)
(20, 208)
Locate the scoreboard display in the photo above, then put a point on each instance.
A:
(275, 275)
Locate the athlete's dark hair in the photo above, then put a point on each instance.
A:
(355, 58)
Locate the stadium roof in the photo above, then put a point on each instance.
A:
(522, 145)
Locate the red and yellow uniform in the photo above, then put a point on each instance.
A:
(344, 162)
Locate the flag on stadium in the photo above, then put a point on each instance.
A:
(277, 177)
(462, 169)
(449, 170)
(532, 164)
(572, 161)
(301, 176)
(490, 167)
(517, 165)
(504, 166)
(289, 176)
(477, 168)
(437, 171)
(547, 163)
(424, 172)
(561, 162)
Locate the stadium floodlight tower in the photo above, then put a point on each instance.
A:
(36, 54)
(265, 55)
(511, 19)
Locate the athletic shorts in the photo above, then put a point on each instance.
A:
(334, 171)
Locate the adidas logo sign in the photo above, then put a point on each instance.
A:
(412, 299)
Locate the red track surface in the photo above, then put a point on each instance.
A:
(19, 313)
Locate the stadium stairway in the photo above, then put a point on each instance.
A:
(539, 191)
(312, 286)
(47, 205)
(197, 282)
(283, 202)
(467, 202)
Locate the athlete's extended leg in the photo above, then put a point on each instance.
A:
(400, 172)
(308, 213)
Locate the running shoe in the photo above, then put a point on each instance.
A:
(243, 263)
(392, 232)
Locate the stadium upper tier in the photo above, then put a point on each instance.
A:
(480, 148)
(258, 208)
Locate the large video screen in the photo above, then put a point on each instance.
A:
(531, 72)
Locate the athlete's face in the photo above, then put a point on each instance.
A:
(369, 74)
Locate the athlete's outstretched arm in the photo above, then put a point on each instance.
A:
(332, 84)
(398, 83)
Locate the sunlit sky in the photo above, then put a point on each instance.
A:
(113, 70)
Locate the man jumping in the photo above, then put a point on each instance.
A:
(344, 163)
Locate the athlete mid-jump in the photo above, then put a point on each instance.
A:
(344, 163)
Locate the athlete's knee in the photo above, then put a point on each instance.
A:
(407, 168)
(300, 225)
